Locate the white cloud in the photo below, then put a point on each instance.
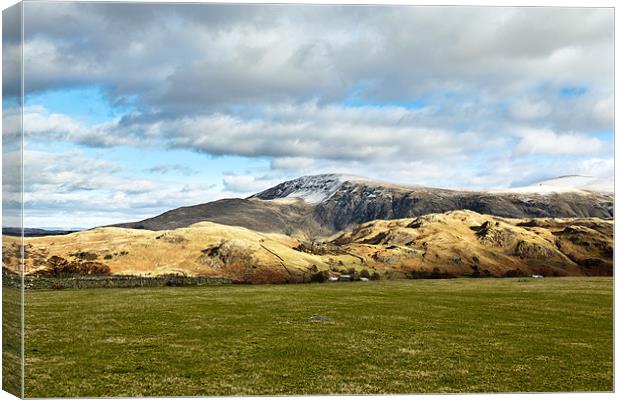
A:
(289, 133)
(291, 163)
(245, 185)
(599, 167)
(604, 109)
(196, 62)
(310, 131)
(41, 125)
(526, 110)
(543, 141)
(187, 59)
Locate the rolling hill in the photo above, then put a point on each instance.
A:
(455, 243)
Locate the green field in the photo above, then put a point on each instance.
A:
(408, 336)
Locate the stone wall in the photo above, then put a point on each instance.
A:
(110, 281)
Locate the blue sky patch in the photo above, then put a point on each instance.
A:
(88, 104)
(573, 91)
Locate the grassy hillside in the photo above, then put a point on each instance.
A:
(456, 243)
(467, 243)
(204, 249)
(407, 336)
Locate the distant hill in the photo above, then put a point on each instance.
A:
(31, 232)
(320, 205)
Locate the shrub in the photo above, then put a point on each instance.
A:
(93, 268)
(320, 276)
(85, 255)
(513, 273)
(60, 267)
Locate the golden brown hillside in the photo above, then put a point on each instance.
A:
(456, 243)
(464, 242)
(205, 249)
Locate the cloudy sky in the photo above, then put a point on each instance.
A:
(131, 110)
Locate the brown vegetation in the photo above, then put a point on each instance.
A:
(58, 267)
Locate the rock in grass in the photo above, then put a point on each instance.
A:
(319, 318)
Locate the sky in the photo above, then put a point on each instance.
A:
(134, 109)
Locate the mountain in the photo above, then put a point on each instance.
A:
(455, 243)
(324, 225)
(320, 205)
(355, 202)
(313, 189)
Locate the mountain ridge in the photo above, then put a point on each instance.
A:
(318, 205)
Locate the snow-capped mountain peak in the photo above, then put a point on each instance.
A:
(312, 189)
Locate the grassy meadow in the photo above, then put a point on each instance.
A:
(406, 336)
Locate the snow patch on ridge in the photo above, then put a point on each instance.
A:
(562, 184)
(312, 189)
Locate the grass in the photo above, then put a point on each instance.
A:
(408, 336)
(11, 341)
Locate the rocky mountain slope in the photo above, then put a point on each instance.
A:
(314, 206)
(454, 243)
(358, 202)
